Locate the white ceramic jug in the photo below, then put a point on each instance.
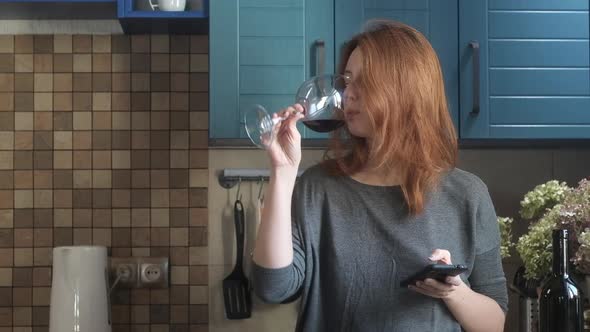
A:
(169, 5)
(80, 290)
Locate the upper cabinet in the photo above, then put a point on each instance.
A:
(513, 69)
(162, 9)
(163, 16)
(531, 77)
(260, 51)
(135, 16)
(436, 19)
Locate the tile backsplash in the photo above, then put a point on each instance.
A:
(103, 141)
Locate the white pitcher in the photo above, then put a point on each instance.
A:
(80, 290)
(168, 5)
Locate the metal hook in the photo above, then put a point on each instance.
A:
(261, 187)
(238, 195)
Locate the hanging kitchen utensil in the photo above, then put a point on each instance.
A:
(236, 291)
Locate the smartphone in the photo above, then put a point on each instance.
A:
(435, 271)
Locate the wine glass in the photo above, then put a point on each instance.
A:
(322, 98)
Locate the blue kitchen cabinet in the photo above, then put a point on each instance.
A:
(531, 77)
(137, 8)
(260, 51)
(142, 9)
(436, 19)
(512, 69)
(135, 16)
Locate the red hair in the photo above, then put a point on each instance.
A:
(402, 89)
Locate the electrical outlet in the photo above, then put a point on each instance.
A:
(153, 272)
(139, 272)
(125, 269)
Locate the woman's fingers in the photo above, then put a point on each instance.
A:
(436, 285)
(455, 281)
(300, 112)
(290, 116)
(425, 290)
(421, 291)
(441, 255)
(299, 108)
(433, 288)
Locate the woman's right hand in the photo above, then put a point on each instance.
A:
(285, 149)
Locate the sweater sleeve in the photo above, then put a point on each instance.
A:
(488, 277)
(284, 284)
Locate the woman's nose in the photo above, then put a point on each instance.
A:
(349, 95)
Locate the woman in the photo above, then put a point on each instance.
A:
(386, 202)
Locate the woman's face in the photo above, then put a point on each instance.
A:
(356, 118)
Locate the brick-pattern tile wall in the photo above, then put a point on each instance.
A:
(103, 141)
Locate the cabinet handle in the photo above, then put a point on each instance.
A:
(320, 56)
(474, 44)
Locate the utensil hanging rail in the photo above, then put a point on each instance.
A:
(229, 177)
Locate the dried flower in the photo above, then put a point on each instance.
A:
(543, 197)
(505, 224)
(564, 208)
(582, 257)
(534, 247)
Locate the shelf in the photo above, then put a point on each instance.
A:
(57, 1)
(165, 25)
(135, 16)
(163, 14)
(142, 9)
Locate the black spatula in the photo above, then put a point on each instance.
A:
(236, 291)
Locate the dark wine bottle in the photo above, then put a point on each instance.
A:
(561, 301)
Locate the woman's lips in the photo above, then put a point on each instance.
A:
(350, 115)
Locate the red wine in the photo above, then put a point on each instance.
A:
(323, 126)
(561, 301)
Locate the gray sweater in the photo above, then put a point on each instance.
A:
(353, 243)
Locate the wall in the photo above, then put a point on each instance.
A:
(508, 173)
(222, 251)
(98, 146)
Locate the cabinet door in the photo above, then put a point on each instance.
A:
(260, 51)
(436, 19)
(534, 79)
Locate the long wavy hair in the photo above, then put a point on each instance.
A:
(402, 91)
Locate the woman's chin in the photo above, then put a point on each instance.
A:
(356, 129)
(358, 133)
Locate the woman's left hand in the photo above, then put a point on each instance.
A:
(435, 288)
